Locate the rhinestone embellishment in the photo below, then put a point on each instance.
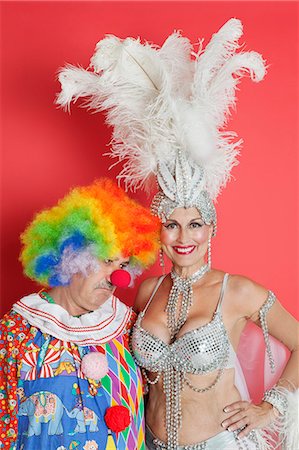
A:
(182, 287)
(198, 351)
(262, 316)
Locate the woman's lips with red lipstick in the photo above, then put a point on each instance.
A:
(184, 250)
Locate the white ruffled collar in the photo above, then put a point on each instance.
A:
(97, 327)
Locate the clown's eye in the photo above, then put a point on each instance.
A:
(108, 261)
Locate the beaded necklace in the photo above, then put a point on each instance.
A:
(181, 286)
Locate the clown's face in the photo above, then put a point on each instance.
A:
(87, 293)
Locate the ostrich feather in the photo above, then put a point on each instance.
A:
(218, 71)
(176, 54)
(291, 429)
(283, 432)
(75, 83)
(134, 88)
(221, 47)
(222, 91)
(160, 101)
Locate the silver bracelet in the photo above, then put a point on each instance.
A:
(277, 399)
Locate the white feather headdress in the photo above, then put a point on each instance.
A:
(168, 107)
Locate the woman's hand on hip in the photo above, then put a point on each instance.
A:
(245, 414)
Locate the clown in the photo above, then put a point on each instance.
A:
(67, 371)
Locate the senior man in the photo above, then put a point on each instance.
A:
(68, 380)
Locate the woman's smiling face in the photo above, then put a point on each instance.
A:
(184, 238)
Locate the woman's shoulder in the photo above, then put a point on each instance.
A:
(244, 286)
(237, 283)
(145, 290)
(244, 293)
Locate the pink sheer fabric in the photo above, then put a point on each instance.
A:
(253, 375)
(255, 365)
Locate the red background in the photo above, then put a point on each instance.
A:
(46, 151)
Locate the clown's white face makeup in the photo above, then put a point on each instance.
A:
(184, 239)
(87, 293)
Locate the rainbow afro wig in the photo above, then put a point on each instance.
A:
(91, 223)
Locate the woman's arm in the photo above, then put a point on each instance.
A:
(254, 300)
(283, 326)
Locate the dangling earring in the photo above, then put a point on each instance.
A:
(161, 259)
(209, 261)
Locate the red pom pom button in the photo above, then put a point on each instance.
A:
(117, 418)
(120, 278)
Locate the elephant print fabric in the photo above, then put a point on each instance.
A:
(46, 407)
(42, 407)
(46, 401)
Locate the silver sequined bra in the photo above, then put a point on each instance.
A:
(198, 351)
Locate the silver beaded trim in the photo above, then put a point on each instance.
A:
(184, 282)
(276, 399)
(160, 445)
(262, 316)
(216, 380)
(163, 207)
(182, 287)
(148, 380)
(198, 351)
(172, 385)
(242, 444)
(181, 184)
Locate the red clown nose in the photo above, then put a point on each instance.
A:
(120, 278)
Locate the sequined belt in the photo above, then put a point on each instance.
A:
(216, 442)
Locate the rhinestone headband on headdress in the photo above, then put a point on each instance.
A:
(168, 106)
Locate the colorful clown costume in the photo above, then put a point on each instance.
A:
(46, 401)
